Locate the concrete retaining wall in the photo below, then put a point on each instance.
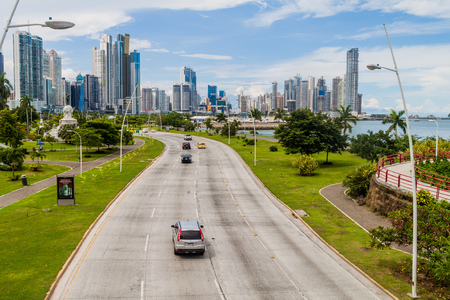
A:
(384, 199)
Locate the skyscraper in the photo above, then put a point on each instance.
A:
(212, 95)
(176, 100)
(188, 75)
(55, 74)
(274, 96)
(335, 93)
(28, 66)
(135, 80)
(351, 80)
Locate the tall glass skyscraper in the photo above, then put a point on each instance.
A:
(351, 80)
(135, 80)
(188, 75)
(28, 66)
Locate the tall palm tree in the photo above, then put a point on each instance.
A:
(345, 118)
(256, 114)
(396, 120)
(5, 90)
(279, 113)
(25, 102)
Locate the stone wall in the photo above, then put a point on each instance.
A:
(384, 199)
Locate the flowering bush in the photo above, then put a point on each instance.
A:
(424, 198)
(358, 180)
(34, 167)
(433, 237)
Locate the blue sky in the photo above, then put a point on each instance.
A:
(240, 44)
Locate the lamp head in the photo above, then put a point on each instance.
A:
(59, 24)
(373, 67)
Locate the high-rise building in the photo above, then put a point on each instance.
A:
(2, 66)
(91, 93)
(311, 95)
(185, 97)
(274, 96)
(55, 67)
(302, 100)
(176, 100)
(351, 80)
(135, 80)
(28, 66)
(188, 75)
(335, 93)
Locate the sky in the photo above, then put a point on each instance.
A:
(247, 44)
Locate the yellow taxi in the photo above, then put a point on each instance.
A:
(201, 145)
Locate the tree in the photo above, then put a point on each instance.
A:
(208, 124)
(108, 131)
(37, 154)
(373, 146)
(279, 113)
(345, 118)
(189, 126)
(334, 141)
(5, 91)
(89, 138)
(308, 132)
(221, 117)
(65, 134)
(256, 114)
(13, 157)
(11, 132)
(396, 120)
(25, 102)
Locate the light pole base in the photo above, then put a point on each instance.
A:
(410, 295)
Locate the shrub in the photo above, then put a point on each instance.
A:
(87, 155)
(273, 148)
(358, 180)
(14, 177)
(424, 198)
(306, 164)
(34, 167)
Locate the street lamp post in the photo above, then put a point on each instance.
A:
(228, 120)
(52, 24)
(254, 134)
(81, 151)
(437, 138)
(413, 294)
(123, 123)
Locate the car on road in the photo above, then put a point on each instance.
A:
(186, 158)
(201, 145)
(187, 237)
(188, 137)
(186, 145)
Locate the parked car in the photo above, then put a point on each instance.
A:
(186, 145)
(201, 145)
(186, 158)
(188, 137)
(187, 237)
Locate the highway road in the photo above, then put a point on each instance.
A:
(255, 249)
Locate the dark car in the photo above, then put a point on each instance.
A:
(186, 158)
(186, 145)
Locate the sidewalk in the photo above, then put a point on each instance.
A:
(361, 215)
(29, 190)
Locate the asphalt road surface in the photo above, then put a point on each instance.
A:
(255, 248)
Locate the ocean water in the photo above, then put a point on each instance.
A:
(422, 128)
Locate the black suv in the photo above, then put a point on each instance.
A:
(186, 145)
(186, 158)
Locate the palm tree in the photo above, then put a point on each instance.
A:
(25, 102)
(37, 154)
(256, 114)
(279, 113)
(396, 120)
(221, 117)
(5, 90)
(345, 118)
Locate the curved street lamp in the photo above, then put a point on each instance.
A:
(437, 138)
(81, 151)
(57, 25)
(372, 67)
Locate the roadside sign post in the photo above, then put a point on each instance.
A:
(65, 190)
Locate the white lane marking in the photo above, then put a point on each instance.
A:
(153, 213)
(196, 211)
(146, 244)
(159, 194)
(165, 182)
(142, 290)
(218, 289)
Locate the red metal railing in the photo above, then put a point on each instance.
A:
(437, 185)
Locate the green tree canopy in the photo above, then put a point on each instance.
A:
(11, 132)
(108, 131)
(221, 117)
(309, 132)
(256, 114)
(279, 114)
(374, 146)
(13, 157)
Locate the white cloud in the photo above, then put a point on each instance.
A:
(370, 103)
(138, 44)
(208, 56)
(162, 50)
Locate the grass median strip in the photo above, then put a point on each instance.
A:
(36, 244)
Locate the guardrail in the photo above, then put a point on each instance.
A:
(437, 185)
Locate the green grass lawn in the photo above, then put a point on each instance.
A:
(45, 172)
(74, 154)
(35, 245)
